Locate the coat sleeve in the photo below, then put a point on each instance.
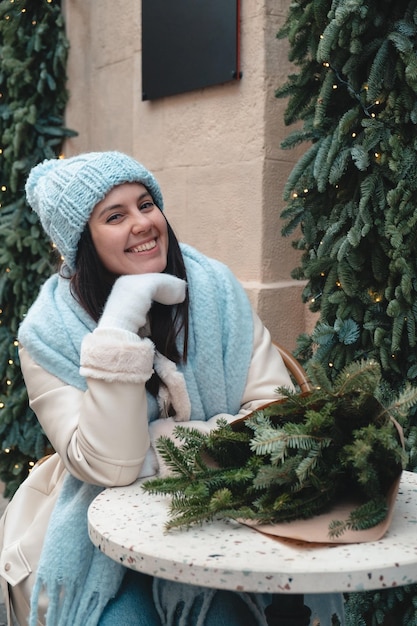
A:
(266, 372)
(101, 434)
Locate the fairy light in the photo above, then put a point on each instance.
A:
(313, 299)
(355, 94)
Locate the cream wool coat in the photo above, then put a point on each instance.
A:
(101, 435)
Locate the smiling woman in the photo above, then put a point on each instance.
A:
(129, 232)
(136, 332)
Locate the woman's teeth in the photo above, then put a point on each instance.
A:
(145, 246)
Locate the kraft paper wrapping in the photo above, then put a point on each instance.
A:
(316, 529)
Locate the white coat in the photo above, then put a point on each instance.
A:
(101, 435)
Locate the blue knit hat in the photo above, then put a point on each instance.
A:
(64, 192)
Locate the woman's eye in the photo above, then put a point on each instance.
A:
(113, 218)
(146, 205)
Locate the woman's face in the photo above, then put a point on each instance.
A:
(129, 231)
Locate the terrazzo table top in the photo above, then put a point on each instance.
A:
(127, 524)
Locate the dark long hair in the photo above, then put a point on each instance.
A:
(91, 286)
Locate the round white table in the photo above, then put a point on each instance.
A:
(127, 524)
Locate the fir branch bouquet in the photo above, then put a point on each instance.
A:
(294, 458)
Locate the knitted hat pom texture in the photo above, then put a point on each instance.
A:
(64, 192)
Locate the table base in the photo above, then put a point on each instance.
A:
(287, 610)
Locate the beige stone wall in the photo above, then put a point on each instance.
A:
(214, 151)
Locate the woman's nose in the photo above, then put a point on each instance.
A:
(141, 223)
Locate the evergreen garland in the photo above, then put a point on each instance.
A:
(294, 458)
(352, 193)
(33, 53)
(351, 201)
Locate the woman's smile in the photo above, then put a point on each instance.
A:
(150, 245)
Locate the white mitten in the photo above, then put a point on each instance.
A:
(131, 298)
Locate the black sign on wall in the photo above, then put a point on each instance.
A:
(188, 44)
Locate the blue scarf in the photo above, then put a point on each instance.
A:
(219, 344)
(219, 354)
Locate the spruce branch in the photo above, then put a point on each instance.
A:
(371, 513)
(180, 462)
(293, 458)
